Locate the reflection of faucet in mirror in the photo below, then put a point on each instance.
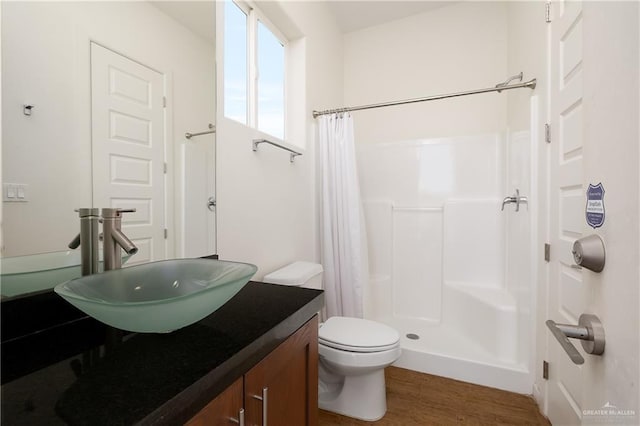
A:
(87, 239)
(114, 238)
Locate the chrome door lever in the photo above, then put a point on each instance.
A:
(516, 199)
(211, 204)
(589, 330)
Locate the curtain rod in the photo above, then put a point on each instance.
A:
(497, 88)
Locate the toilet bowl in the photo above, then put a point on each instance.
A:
(353, 353)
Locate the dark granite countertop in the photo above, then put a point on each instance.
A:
(148, 379)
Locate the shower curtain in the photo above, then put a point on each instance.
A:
(342, 227)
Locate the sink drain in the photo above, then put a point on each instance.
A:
(413, 336)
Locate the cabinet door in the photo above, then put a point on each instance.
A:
(224, 410)
(284, 385)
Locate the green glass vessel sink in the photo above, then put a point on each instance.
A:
(157, 297)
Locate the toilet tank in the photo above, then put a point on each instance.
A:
(298, 274)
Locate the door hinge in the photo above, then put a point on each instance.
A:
(545, 370)
(547, 132)
(164, 102)
(547, 252)
(165, 168)
(166, 233)
(547, 12)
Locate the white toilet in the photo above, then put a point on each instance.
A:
(353, 353)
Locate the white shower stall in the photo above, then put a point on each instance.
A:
(448, 268)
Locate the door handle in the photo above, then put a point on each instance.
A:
(516, 199)
(589, 330)
(211, 204)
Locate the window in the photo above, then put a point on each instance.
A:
(270, 83)
(235, 63)
(254, 70)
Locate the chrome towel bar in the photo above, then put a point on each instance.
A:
(212, 129)
(292, 154)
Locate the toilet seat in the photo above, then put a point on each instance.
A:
(358, 349)
(357, 335)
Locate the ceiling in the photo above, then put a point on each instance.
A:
(198, 16)
(356, 15)
(351, 15)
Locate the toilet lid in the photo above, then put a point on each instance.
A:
(357, 335)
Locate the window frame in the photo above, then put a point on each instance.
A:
(255, 15)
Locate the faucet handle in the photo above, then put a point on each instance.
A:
(112, 212)
(86, 211)
(75, 243)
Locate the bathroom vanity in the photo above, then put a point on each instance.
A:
(258, 352)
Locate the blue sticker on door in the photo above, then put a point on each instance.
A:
(595, 205)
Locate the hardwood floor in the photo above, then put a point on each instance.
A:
(422, 399)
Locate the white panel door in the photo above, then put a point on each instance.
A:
(591, 144)
(128, 147)
(568, 291)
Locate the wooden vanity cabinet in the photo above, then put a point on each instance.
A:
(223, 409)
(283, 386)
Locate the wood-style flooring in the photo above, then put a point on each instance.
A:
(422, 399)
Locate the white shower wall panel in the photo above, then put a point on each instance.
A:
(473, 243)
(448, 267)
(417, 263)
(379, 224)
(425, 173)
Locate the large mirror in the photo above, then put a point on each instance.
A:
(96, 100)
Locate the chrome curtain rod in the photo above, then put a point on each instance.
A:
(212, 129)
(531, 84)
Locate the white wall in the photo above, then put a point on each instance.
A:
(458, 47)
(45, 62)
(266, 205)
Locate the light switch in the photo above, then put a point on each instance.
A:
(15, 192)
(10, 190)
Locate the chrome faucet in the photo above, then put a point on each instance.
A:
(515, 199)
(113, 238)
(87, 240)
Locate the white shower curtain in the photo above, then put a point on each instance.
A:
(342, 232)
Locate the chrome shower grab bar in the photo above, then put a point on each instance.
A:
(212, 129)
(292, 154)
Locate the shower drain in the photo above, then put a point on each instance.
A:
(413, 336)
